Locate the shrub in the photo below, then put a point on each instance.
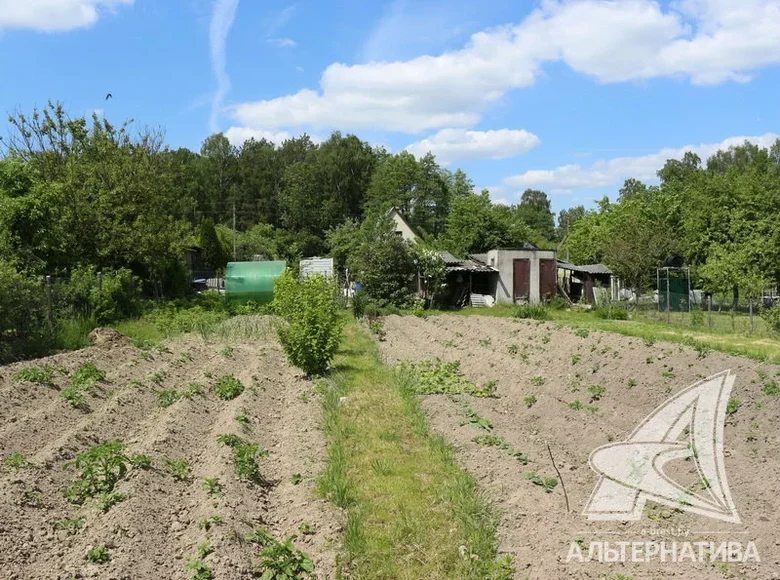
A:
(534, 311)
(611, 313)
(117, 296)
(310, 326)
(697, 316)
(359, 299)
(772, 317)
(228, 388)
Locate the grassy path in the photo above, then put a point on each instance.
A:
(411, 511)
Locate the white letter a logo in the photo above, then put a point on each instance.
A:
(632, 472)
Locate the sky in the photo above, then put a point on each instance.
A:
(568, 96)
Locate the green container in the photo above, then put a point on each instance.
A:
(245, 281)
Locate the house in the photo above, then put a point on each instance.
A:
(593, 282)
(525, 275)
(401, 227)
(469, 281)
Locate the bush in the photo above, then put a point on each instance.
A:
(534, 311)
(772, 317)
(611, 313)
(359, 300)
(310, 329)
(117, 297)
(697, 316)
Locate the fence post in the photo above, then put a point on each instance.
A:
(709, 311)
(48, 303)
(668, 311)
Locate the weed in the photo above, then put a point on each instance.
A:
(512, 349)
(74, 397)
(649, 360)
(33, 498)
(438, 377)
(193, 389)
(168, 397)
(488, 389)
(213, 487)
(595, 368)
(16, 461)
(106, 501)
(185, 357)
(631, 383)
(228, 352)
(501, 443)
(576, 405)
(575, 359)
(157, 378)
(532, 311)
(260, 537)
(474, 419)
(70, 525)
(136, 382)
(98, 555)
(281, 560)
(545, 339)
(306, 529)
(596, 392)
(208, 523)
(548, 483)
(530, 401)
(199, 569)
(180, 469)
(733, 406)
(537, 381)
(141, 461)
(42, 375)
(486, 342)
(87, 376)
(228, 388)
(668, 374)
(771, 388)
(296, 478)
(582, 332)
(101, 468)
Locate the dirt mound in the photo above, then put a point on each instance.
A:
(161, 522)
(578, 391)
(107, 337)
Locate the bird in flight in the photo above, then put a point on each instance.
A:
(109, 96)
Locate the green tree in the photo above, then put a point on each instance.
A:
(535, 209)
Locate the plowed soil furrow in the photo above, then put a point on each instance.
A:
(159, 526)
(546, 379)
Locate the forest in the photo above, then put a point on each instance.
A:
(81, 195)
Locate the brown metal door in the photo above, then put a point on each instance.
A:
(521, 279)
(548, 278)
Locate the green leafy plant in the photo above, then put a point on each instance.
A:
(180, 469)
(282, 561)
(228, 388)
(631, 383)
(306, 529)
(512, 349)
(474, 419)
(582, 332)
(243, 419)
(87, 376)
(208, 523)
(576, 405)
(200, 570)
(537, 381)
(575, 358)
(310, 327)
(429, 377)
(70, 525)
(296, 478)
(42, 375)
(204, 549)
(16, 461)
(244, 457)
(596, 392)
(501, 443)
(106, 501)
(771, 388)
(213, 487)
(101, 468)
(98, 555)
(227, 352)
(530, 401)
(547, 483)
(733, 406)
(168, 397)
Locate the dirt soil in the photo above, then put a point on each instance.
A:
(155, 531)
(536, 527)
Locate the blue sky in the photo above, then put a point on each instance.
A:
(568, 96)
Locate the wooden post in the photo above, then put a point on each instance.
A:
(750, 301)
(709, 311)
(668, 311)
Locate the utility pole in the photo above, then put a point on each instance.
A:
(234, 231)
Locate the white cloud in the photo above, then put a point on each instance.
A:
(239, 135)
(613, 172)
(54, 15)
(221, 21)
(453, 145)
(706, 41)
(282, 42)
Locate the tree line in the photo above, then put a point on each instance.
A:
(720, 217)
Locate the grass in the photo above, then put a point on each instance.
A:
(408, 519)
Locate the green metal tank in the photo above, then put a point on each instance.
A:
(245, 281)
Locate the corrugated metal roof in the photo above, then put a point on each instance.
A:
(448, 258)
(586, 268)
(479, 258)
